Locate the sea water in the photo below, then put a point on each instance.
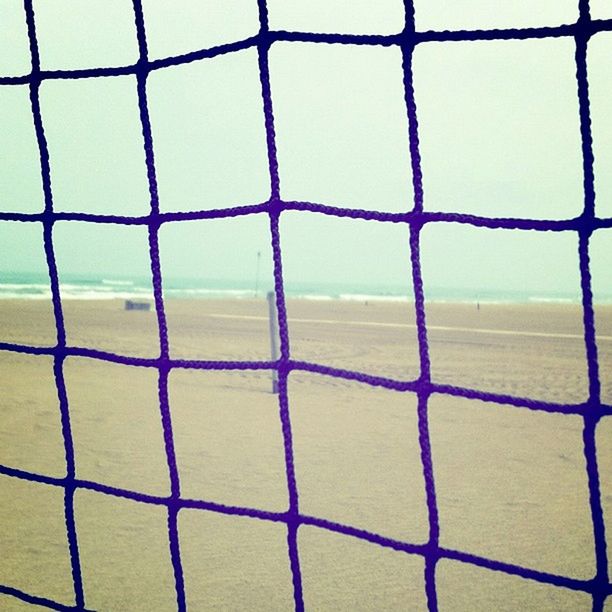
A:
(34, 286)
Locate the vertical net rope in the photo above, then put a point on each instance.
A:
(415, 218)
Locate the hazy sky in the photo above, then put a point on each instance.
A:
(498, 125)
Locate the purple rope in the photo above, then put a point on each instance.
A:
(38, 601)
(279, 517)
(593, 414)
(415, 219)
(431, 552)
(594, 26)
(280, 205)
(293, 519)
(323, 370)
(59, 354)
(163, 366)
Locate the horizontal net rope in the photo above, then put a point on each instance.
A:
(415, 218)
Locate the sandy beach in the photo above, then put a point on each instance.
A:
(511, 483)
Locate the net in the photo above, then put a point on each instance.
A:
(415, 218)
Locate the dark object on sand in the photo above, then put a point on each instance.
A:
(134, 305)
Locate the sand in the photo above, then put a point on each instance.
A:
(511, 483)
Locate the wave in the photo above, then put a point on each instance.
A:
(113, 289)
(24, 286)
(97, 295)
(553, 300)
(357, 297)
(118, 283)
(204, 292)
(14, 295)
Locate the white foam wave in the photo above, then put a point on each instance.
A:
(239, 293)
(552, 300)
(119, 283)
(24, 286)
(12, 295)
(357, 297)
(98, 295)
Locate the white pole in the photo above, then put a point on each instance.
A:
(257, 274)
(273, 336)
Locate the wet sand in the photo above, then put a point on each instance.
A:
(511, 483)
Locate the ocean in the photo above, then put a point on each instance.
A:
(34, 286)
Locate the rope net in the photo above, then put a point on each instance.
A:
(415, 217)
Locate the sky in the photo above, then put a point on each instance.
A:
(498, 128)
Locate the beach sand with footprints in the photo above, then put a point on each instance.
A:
(510, 482)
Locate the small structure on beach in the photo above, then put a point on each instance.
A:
(137, 305)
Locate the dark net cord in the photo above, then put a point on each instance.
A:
(591, 411)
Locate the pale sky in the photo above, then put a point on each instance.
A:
(498, 127)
